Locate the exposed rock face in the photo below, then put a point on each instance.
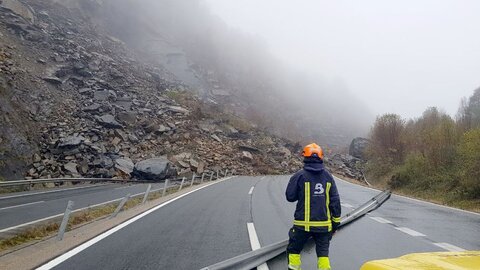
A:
(154, 169)
(358, 147)
(75, 102)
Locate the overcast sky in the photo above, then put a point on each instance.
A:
(397, 56)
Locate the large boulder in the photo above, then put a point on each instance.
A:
(125, 165)
(154, 169)
(358, 147)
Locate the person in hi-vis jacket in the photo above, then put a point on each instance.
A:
(318, 210)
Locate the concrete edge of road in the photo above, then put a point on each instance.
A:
(36, 254)
(410, 198)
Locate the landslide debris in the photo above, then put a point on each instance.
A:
(75, 101)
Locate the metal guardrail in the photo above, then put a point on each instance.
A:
(169, 183)
(94, 180)
(254, 258)
(56, 180)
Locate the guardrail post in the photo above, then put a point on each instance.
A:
(211, 176)
(203, 176)
(120, 205)
(193, 180)
(64, 224)
(146, 193)
(165, 186)
(181, 184)
(218, 173)
(226, 172)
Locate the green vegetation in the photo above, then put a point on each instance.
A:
(434, 157)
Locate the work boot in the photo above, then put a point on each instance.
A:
(323, 263)
(294, 262)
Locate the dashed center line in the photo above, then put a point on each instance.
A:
(251, 191)
(20, 205)
(409, 231)
(445, 246)
(449, 247)
(381, 220)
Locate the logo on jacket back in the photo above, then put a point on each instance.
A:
(318, 189)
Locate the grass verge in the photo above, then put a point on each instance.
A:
(76, 220)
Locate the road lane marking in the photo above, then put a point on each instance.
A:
(381, 220)
(251, 190)
(124, 187)
(51, 191)
(347, 205)
(411, 199)
(76, 210)
(58, 260)
(449, 247)
(254, 243)
(21, 205)
(409, 231)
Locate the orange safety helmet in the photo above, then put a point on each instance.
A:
(313, 150)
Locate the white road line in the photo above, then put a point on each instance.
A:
(412, 199)
(381, 220)
(251, 191)
(123, 187)
(76, 210)
(448, 247)
(254, 243)
(58, 260)
(409, 231)
(45, 192)
(20, 205)
(347, 205)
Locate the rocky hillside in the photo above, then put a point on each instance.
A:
(75, 101)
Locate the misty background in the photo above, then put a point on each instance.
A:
(396, 56)
(307, 70)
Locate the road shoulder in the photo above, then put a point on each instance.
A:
(33, 255)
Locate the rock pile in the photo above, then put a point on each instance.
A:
(346, 165)
(101, 113)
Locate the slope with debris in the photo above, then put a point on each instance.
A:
(77, 102)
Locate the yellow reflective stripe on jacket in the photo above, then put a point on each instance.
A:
(336, 219)
(307, 206)
(327, 193)
(328, 205)
(312, 223)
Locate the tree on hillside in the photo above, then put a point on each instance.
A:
(468, 116)
(434, 135)
(469, 163)
(386, 136)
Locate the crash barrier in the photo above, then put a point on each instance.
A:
(93, 180)
(254, 258)
(169, 183)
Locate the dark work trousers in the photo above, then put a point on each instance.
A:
(298, 238)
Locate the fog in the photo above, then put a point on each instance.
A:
(308, 69)
(395, 56)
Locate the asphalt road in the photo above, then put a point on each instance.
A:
(210, 225)
(20, 208)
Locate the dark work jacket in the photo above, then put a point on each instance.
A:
(318, 202)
